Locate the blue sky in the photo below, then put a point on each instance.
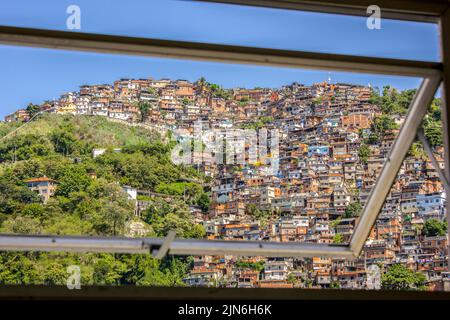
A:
(34, 75)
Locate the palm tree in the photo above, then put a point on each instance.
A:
(201, 82)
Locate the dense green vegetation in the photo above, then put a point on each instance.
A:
(380, 127)
(144, 108)
(258, 265)
(399, 277)
(191, 192)
(163, 216)
(432, 124)
(217, 91)
(393, 102)
(32, 109)
(258, 123)
(338, 238)
(353, 210)
(89, 198)
(434, 227)
(98, 269)
(259, 214)
(364, 153)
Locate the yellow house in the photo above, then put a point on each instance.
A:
(67, 108)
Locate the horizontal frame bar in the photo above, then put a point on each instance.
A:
(13, 242)
(214, 52)
(256, 248)
(417, 110)
(420, 11)
(19, 242)
(131, 292)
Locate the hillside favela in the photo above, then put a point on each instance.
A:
(111, 160)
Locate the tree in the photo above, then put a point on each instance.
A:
(17, 269)
(399, 277)
(434, 110)
(164, 216)
(434, 227)
(375, 97)
(115, 211)
(218, 92)
(201, 82)
(185, 101)
(190, 191)
(183, 226)
(72, 179)
(24, 147)
(353, 210)
(14, 195)
(364, 153)
(416, 150)
(292, 278)
(35, 210)
(139, 170)
(338, 238)
(335, 285)
(394, 102)
(144, 108)
(433, 131)
(64, 140)
(380, 126)
(258, 265)
(108, 270)
(204, 202)
(32, 109)
(251, 209)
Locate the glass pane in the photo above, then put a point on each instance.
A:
(231, 24)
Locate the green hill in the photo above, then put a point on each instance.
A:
(94, 131)
(89, 198)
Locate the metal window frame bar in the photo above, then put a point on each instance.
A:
(429, 151)
(431, 73)
(416, 112)
(444, 30)
(79, 41)
(13, 242)
(420, 11)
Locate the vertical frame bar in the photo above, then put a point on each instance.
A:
(445, 57)
(417, 110)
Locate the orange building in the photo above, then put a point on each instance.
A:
(355, 121)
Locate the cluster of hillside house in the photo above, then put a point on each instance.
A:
(319, 174)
